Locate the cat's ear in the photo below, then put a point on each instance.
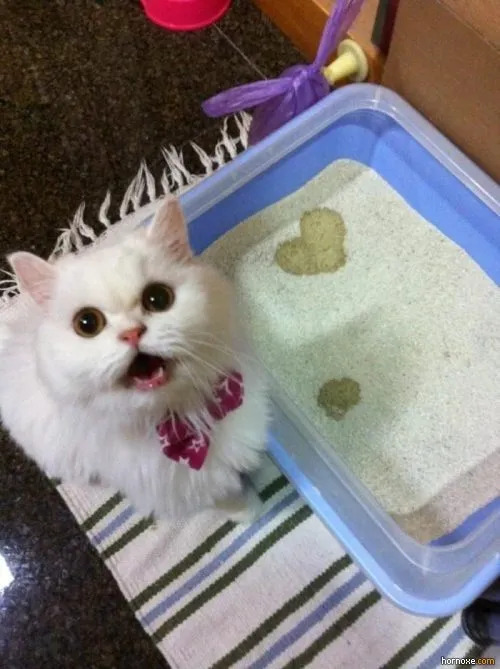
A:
(34, 275)
(169, 229)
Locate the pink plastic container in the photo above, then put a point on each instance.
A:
(185, 14)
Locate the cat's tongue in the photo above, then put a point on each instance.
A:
(148, 372)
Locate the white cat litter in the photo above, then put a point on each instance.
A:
(410, 317)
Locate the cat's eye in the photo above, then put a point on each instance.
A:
(89, 322)
(157, 297)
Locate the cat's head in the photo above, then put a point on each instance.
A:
(132, 323)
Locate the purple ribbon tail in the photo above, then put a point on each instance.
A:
(243, 97)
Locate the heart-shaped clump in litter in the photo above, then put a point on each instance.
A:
(336, 397)
(320, 247)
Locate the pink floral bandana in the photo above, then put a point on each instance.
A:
(182, 442)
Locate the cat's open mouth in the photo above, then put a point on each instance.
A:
(148, 372)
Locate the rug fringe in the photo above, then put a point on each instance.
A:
(8, 287)
(175, 179)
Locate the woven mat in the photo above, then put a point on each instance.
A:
(278, 593)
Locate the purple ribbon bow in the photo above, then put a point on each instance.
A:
(276, 101)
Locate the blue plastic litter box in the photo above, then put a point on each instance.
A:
(373, 126)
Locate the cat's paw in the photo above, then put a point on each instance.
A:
(243, 508)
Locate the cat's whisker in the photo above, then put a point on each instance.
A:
(219, 344)
(225, 356)
(109, 366)
(237, 355)
(232, 355)
(203, 362)
(222, 345)
(194, 378)
(200, 420)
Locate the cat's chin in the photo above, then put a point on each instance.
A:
(149, 372)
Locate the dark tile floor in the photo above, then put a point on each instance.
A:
(87, 89)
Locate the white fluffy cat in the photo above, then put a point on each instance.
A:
(103, 346)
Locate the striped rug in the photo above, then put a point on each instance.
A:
(279, 593)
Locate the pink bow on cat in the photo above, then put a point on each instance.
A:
(179, 439)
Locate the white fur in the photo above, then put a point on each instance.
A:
(61, 397)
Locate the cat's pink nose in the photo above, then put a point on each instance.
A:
(133, 335)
